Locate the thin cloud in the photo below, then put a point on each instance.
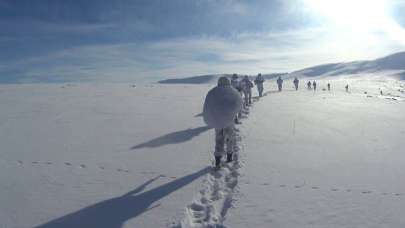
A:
(149, 41)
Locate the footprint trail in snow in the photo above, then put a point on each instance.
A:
(209, 207)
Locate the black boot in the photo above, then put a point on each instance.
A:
(217, 161)
(229, 157)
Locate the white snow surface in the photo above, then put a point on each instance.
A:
(105, 155)
(324, 159)
(116, 155)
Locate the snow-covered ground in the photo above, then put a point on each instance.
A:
(100, 155)
(324, 159)
(114, 155)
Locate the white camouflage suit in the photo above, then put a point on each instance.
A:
(221, 105)
(224, 137)
(247, 86)
(237, 85)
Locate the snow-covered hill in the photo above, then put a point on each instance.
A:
(202, 79)
(393, 65)
(210, 79)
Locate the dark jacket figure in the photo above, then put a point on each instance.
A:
(296, 81)
(309, 85)
(259, 84)
(235, 83)
(328, 86)
(347, 88)
(280, 84)
(247, 86)
(314, 85)
(221, 105)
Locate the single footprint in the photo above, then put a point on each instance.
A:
(34, 162)
(20, 162)
(48, 163)
(366, 192)
(335, 189)
(196, 207)
(348, 190)
(282, 186)
(83, 166)
(315, 187)
(68, 163)
(101, 167)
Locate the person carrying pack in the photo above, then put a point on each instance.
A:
(280, 83)
(259, 84)
(221, 105)
(296, 81)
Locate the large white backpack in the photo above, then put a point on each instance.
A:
(221, 106)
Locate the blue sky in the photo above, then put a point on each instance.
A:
(130, 40)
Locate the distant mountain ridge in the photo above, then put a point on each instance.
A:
(394, 63)
(202, 79)
(208, 79)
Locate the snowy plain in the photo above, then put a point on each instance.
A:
(121, 155)
(324, 159)
(105, 155)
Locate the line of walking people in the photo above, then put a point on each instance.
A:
(223, 107)
(310, 85)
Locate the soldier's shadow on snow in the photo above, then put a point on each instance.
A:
(199, 115)
(173, 138)
(113, 213)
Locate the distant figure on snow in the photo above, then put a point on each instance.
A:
(221, 105)
(280, 83)
(347, 87)
(296, 81)
(247, 86)
(309, 85)
(235, 82)
(314, 85)
(328, 86)
(259, 84)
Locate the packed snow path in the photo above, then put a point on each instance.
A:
(324, 159)
(211, 204)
